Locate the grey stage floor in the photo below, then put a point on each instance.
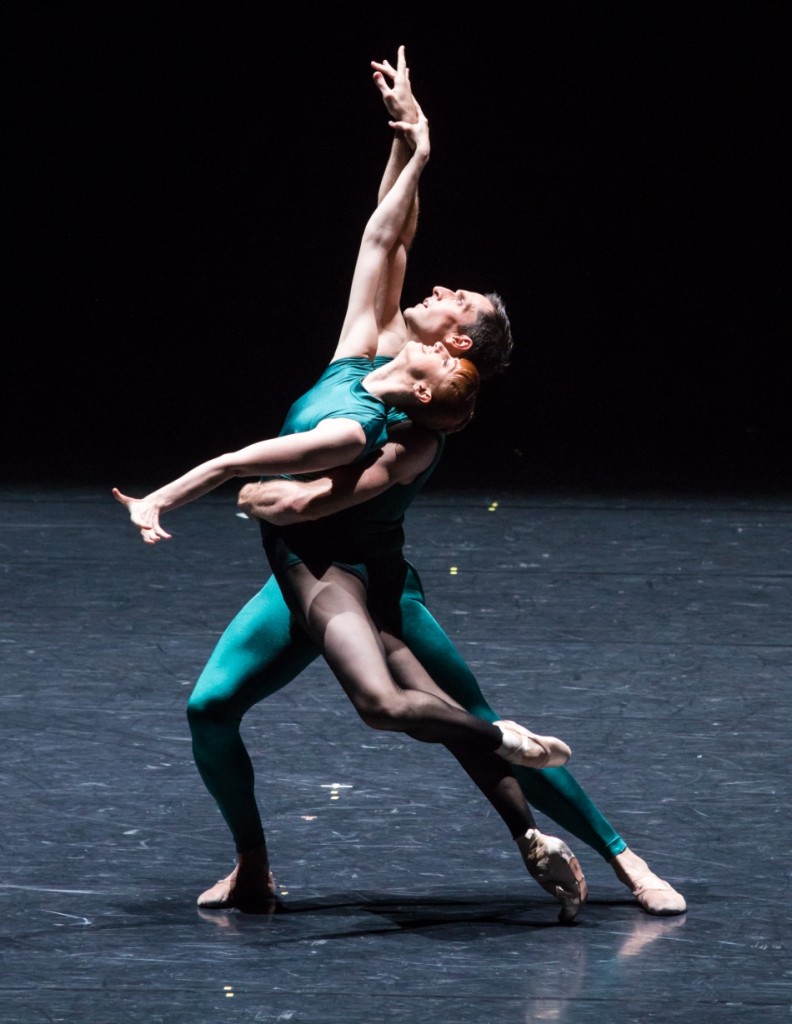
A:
(653, 634)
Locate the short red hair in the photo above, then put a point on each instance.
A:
(453, 402)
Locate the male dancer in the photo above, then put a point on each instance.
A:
(340, 420)
(263, 648)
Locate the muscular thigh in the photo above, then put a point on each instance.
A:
(261, 650)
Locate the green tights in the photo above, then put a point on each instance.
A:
(263, 649)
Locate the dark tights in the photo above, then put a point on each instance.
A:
(264, 648)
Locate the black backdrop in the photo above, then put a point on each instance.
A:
(189, 181)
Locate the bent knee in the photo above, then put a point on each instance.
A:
(389, 714)
(208, 711)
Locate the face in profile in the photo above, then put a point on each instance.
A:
(444, 312)
(430, 364)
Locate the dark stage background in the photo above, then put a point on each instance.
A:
(189, 182)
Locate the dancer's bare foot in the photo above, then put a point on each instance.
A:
(654, 894)
(249, 887)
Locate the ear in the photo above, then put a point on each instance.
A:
(422, 392)
(457, 343)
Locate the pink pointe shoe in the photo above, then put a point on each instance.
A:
(529, 750)
(656, 896)
(550, 861)
(225, 893)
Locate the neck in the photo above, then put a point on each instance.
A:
(387, 383)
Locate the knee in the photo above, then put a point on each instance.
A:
(205, 712)
(386, 713)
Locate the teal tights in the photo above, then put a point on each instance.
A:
(263, 649)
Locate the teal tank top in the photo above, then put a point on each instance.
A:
(339, 394)
(365, 532)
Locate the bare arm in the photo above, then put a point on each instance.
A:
(394, 86)
(332, 442)
(360, 330)
(396, 90)
(284, 502)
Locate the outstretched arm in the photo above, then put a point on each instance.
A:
(284, 502)
(360, 331)
(332, 442)
(396, 90)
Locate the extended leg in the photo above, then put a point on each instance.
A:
(548, 859)
(334, 608)
(490, 773)
(553, 791)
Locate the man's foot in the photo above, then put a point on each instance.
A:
(255, 895)
(550, 861)
(654, 894)
(529, 750)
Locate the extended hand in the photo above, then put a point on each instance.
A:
(144, 514)
(394, 85)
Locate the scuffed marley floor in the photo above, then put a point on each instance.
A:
(654, 635)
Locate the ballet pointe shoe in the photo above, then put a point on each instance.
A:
(249, 898)
(553, 865)
(520, 746)
(654, 894)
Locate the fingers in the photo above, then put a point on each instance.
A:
(143, 517)
(384, 68)
(420, 121)
(394, 86)
(411, 128)
(153, 534)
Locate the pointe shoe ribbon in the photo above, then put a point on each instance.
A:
(553, 865)
(656, 896)
(520, 746)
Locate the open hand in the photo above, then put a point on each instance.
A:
(144, 514)
(394, 85)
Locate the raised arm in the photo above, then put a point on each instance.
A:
(284, 502)
(396, 90)
(360, 331)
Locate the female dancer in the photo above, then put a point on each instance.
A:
(342, 419)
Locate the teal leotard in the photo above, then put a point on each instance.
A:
(347, 538)
(339, 393)
(264, 648)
